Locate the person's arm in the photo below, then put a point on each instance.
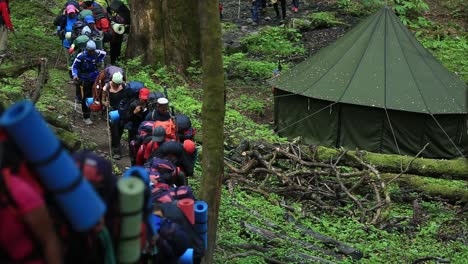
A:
(40, 224)
(6, 15)
(101, 56)
(76, 65)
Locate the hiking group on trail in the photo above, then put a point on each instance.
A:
(159, 141)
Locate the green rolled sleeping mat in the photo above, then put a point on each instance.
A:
(131, 210)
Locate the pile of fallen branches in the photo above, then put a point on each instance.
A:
(287, 170)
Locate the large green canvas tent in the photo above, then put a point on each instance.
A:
(376, 88)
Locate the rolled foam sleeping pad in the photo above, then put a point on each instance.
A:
(89, 101)
(201, 220)
(186, 206)
(131, 210)
(114, 115)
(98, 41)
(187, 257)
(77, 199)
(142, 174)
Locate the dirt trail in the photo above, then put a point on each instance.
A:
(97, 132)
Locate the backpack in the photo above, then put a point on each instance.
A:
(124, 108)
(169, 126)
(172, 212)
(102, 22)
(144, 130)
(133, 88)
(162, 169)
(76, 29)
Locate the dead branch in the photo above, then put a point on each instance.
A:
(42, 78)
(17, 70)
(437, 259)
(341, 247)
(408, 167)
(270, 235)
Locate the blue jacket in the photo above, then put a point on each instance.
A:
(68, 28)
(85, 66)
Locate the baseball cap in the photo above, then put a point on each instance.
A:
(144, 93)
(163, 101)
(117, 78)
(91, 45)
(89, 19)
(159, 134)
(70, 9)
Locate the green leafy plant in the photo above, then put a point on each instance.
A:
(325, 20)
(239, 65)
(272, 42)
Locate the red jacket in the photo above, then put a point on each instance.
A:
(5, 12)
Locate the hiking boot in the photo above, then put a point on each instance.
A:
(87, 121)
(116, 156)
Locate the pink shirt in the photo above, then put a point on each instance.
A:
(15, 237)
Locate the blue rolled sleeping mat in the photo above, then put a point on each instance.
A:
(201, 220)
(187, 257)
(114, 116)
(57, 171)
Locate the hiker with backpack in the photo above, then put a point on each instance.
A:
(137, 111)
(161, 113)
(103, 78)
(85, 71)
(64, 25)
(120, 16)
(174, 152)
(5, 26)
(113, 94)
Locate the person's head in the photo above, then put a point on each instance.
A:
(117, 79)
(163, 105)
(88, 4)
(143, 95)
(159, 134)
(91, 47)
(71, 11)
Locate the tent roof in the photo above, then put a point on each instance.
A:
(378, 63)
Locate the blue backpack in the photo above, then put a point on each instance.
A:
(131, 93)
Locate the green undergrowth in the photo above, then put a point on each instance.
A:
(451, 51)
(271, 42)
(324, 20)
(378, 246)
(239, 65)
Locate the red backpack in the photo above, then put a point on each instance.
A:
(169, 126)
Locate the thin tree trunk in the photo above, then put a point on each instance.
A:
(212, 116)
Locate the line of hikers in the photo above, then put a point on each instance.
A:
(33, 228)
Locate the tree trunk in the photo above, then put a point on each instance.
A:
(165, 31)
(212, 116)
(438, 168)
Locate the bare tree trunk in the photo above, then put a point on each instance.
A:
(165, 31)
(212, 116)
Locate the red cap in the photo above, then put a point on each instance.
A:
(144, 93)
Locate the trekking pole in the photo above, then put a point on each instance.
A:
(111, 159)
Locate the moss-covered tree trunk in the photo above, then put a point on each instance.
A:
(212, 116)
(164, 31)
